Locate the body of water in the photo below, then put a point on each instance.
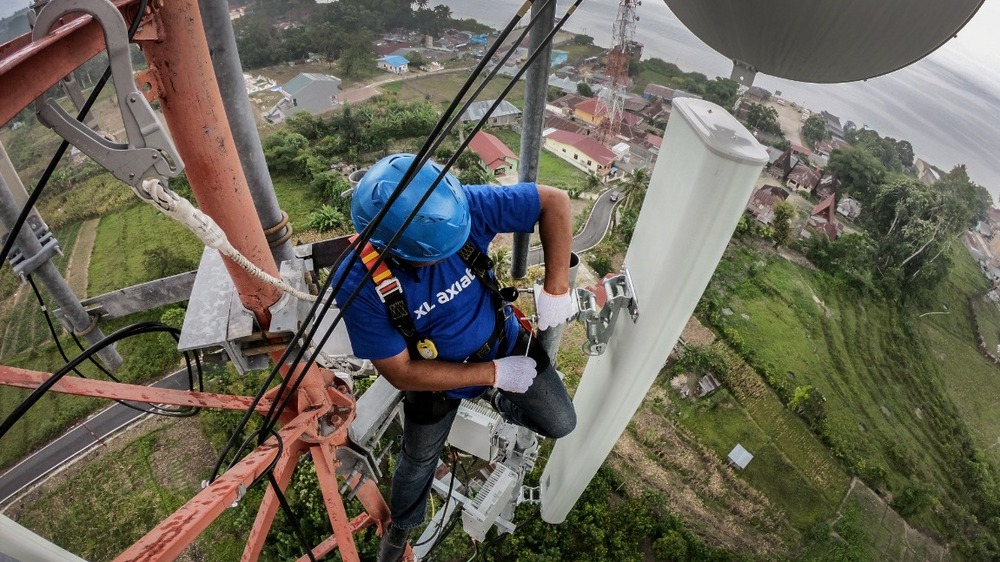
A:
(947, 105)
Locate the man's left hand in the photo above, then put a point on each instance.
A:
(553, 310)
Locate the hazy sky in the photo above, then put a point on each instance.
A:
(947, 105)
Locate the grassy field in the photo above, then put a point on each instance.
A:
(441, 89)
(125, 242)
(812, 482)
(109, 504)
(897, 387)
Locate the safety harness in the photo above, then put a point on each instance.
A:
(390, 292)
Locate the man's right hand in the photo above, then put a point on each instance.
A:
(514, 374)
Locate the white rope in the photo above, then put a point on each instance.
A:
(206, 229)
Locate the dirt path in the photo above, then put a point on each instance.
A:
(79, 259)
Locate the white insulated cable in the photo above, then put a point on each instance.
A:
(206, 229)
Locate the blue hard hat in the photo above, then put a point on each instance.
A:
(440, 227)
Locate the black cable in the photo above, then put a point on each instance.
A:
(273, 414)
(271, 419)
(127, 332)
(57, 156)
(421, 157)
(292, 518)
(286, 392)
(167, 412)
(447, 500)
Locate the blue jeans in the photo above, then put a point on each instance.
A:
(545, 409)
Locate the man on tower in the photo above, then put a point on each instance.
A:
(434, 323)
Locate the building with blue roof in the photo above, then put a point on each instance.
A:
(394, 64)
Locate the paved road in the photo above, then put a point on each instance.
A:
(76, 441)
(593, 231)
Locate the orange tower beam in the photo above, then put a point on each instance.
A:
(181, 77)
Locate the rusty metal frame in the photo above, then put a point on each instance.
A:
(181, 77)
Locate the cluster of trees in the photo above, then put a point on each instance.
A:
(721, 91)
(307, 147)
(814, 130)
(909, 226)
(763, 118)
(343, 31)
(895, 155)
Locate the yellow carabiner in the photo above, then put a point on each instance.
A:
(427, 349)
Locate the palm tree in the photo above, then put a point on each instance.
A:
(593, 182)
(634, 188)
(501, 265)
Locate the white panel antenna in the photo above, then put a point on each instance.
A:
(705, 174)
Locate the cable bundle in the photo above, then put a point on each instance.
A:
(288, 387)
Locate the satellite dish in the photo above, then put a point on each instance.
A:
(824, 41)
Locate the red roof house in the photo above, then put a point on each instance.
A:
(803, 177)
(762, 204)
(582, 151)
(494, 154)
(824, 218)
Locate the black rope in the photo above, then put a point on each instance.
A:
(292, 518)
(154, 409)
(35, 396)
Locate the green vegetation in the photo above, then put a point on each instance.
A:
(133, 489)
(721, 91)
(139, 229)
(814, 130)
(343, 31)
(888, 416)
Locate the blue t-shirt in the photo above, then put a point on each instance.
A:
(447, 303)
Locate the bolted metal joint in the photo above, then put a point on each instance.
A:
(601, 323)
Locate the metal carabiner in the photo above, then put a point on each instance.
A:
(148, 152)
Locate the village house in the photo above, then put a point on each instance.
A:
(824, 219)
(665, 94)
(756, 94)
(384, 48)
(926, 173)
(394, 64)
(654, 111)
(590, 111)
(564, 105)
(803, 178)
(557, 121)
(801, 151)
(493, 154)
(784, 165)
(314, 93)
(506, 114)
(823, 148)
(833, 125)
(773, 154)
(763, 202)
(581, 151)
(828, 185)
(849, 208)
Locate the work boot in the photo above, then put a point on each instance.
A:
(393, 544)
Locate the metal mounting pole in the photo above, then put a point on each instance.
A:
(536, 85)
(79, 321)
(229, 73)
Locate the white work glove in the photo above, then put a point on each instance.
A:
(514, 374)
(554, 309)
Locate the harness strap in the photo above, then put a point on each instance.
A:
(390, 291)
